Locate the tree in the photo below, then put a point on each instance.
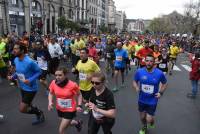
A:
(62, 23)
(192, 16)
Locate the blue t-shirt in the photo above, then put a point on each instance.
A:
(27, 69)
(149, 84)
(120, 58)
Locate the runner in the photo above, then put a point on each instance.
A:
(163, 61)
(146, 81)
(27, 72)
(174, 51)
(143, 52)
(42, 57)
(121, 58)
(55, 52)
(102, 104)
(85, 68)
(66, 93)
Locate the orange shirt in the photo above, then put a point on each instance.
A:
(65, 96)
(156, 54)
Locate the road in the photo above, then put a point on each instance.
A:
(175, 114)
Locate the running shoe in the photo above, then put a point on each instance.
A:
(191, 96)
(115, 89)
(79, 125)
(151, 126)
(39, 119)
(86, 111)
(143, 131)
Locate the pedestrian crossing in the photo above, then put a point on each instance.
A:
(175, 68)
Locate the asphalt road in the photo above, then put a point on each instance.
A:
(175, 114)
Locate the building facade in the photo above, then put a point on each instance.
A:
(119, 21)
(134, 25)
(39, 15)
(111, 15)
(92, 15)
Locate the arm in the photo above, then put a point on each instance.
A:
(50, 98)
(136, 86)
(37, 71)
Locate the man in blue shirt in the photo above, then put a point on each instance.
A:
(27, 73)
(121, 57)
(150, 82)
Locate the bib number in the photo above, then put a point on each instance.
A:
(149, 89)
(21, 77)
(162, 65)
(82, 76)
(97, 115)
(65, 103)
(119, 58)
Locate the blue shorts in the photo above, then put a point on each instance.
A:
(149, 109)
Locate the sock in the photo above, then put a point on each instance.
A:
(33, 110)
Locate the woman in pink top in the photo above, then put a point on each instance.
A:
(66, 93)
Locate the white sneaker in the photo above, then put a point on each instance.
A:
(1, 117)
(86, 112)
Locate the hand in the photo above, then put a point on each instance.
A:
(89, 77)
(9, 77)
(86, 104)
(26, 81)
(50, 106)
(79, 109)
(158, 95)
(92, 106)
(73, 70)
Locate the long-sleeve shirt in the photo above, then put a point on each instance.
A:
(55, 50)
(27, 69)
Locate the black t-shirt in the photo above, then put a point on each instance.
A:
(104, 101)
(163, 65)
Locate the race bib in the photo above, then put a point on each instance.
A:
(91, 58)
(77, 53)
(118, 58)
(41, 63)
(162, 65)
(97, 115)
(108, 55)
(66, 47)
(98, 50)
(82, 76)
(64, 103)
(149, 89)
(21, 77)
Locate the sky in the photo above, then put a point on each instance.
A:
(149, 9)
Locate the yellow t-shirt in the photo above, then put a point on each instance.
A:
(129, 49)
(174, 51)
(86, 69)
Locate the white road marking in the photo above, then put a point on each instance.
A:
(188, 68)
(176, 68)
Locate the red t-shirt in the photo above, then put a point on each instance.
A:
(65, 96)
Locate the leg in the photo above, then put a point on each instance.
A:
(64, 125)
(93, 127)
(107, 126)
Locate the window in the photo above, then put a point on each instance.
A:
(14, 2)
(33, 5)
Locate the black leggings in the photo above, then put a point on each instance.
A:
(94, 125)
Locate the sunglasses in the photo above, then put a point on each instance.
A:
(96, 83)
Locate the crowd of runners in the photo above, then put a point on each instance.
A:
(32, 58)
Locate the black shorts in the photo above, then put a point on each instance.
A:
(86, 94)
(66, 115)
(27, 97)
(43, 75)
(119, 69)
(149, 109)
